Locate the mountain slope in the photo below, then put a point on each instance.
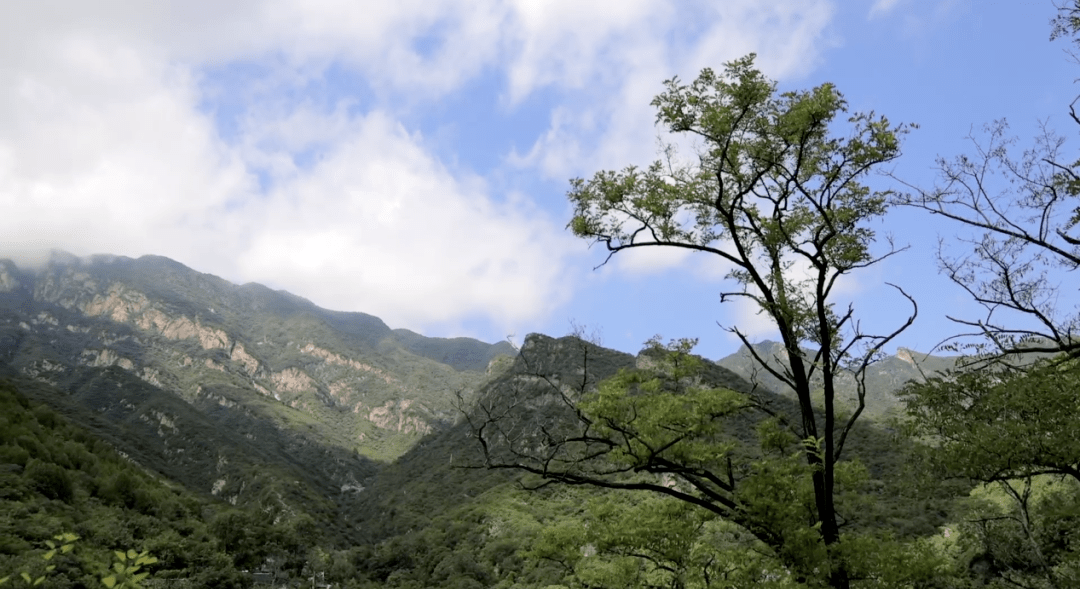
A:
(246, 393)
(56, 477)
(438, 505)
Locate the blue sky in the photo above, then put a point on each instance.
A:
(411, 159)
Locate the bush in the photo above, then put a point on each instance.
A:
(122, 489)
(13, 455)
(50, 480)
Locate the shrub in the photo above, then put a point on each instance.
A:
(49, 479)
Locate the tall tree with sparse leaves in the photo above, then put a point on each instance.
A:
(781, 199)
(772, 191)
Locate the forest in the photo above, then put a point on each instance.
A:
(581, 468)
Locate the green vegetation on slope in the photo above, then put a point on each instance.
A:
(57, 478)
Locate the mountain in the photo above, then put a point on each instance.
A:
(445, 468)
(233, 389)
(436, 514)
(242, 392)
(883, 378)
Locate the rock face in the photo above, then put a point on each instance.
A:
(188, 360)
(8, 280)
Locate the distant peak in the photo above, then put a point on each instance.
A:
(58, 257)
(63, 258)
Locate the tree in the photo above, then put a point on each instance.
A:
(1018, 206)
(1000, 418)
(994, 426)
(1066, 22)
(776, 195)
(1021, 206)
(1013, 431)
(638, 539)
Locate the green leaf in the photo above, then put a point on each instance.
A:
(109, 581)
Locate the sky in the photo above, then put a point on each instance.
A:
(410, 159)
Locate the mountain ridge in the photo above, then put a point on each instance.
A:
(237, 391)
(260, 397)
(883, 377)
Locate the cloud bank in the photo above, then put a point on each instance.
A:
(120, 133)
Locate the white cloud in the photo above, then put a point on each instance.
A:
(380, 225)
(651, 260)
(746, 316)
(106, 144)
(923, 18)
(616, 63)
(569, 43)
(101, 152)
(103, 148)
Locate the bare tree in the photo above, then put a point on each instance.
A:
(1021, 208)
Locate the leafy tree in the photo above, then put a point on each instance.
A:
(779, 198)
(1016, 432)
(243, 535)
(636, 539)
(49, 479)
(993, 426)
(1022, 533)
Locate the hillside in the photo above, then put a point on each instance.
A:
(437, 515)
(334, 431)
(56, 477)
(239, 392)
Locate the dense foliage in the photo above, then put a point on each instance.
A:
(1016, 433)
(58, 478)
